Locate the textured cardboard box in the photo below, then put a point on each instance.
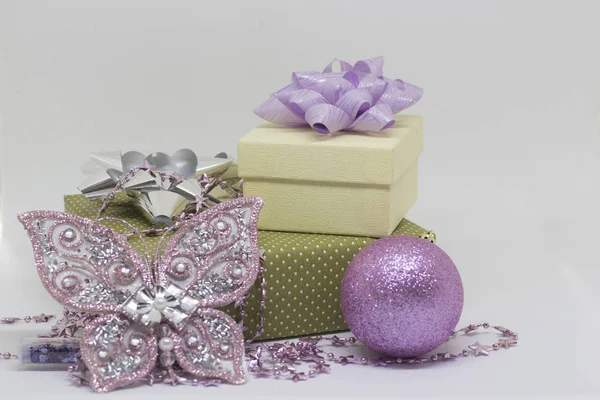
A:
(347, 183)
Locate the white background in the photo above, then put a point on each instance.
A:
(509, 177)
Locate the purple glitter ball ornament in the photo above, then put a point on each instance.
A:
(402, 296)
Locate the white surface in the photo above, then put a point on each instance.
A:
(508, 178)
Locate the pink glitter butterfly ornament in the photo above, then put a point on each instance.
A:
(152, 314)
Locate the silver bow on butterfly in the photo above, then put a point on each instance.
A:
(149, 306)
(159, 198)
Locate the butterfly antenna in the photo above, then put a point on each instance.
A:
(135, 230)
(162, 240)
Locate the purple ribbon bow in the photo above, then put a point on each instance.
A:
(358, 98)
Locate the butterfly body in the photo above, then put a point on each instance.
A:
(152, 313)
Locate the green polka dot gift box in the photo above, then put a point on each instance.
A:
(303, 271)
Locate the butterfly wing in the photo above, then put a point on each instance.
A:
(211, 345)
(84, 265)
(117, 352)
(214, 256)
(213, 259)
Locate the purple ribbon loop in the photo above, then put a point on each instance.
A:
(274, 111)
(355, 98)
(285, 94)
(412, 91)
(332, 86)
(396, 99)
(376, 87)
(374, 119)
(327, 118)
(351, 77)
(304, 99)
(344, 66)
(355, 102)
(370, 67)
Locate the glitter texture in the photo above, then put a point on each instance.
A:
(402, 296)
(212, 260)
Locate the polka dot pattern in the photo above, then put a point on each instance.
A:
(303, 271)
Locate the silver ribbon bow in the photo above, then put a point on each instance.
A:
(159, 199)
(148, 306)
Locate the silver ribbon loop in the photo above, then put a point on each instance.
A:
(159, 197)
(149, 306)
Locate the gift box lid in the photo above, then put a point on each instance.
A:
(274, 152)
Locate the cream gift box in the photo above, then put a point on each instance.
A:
(347, 183)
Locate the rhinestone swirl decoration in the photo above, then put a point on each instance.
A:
(152, 315)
